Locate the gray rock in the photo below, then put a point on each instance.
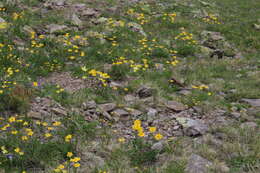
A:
(101, 20)
(79, 6)
(91, 160)
(107, 107)
(135, 112)
(34, 115)
(129, 98)
(197, 164)
(216, 42)
(75, 20)
(107, 115)
(252, 102)
(235, 115)
(59, 2)
(120, 112)
(144, 92)
(250, 125)
(54, 28)
(89, 105)
(256, 26)
(116, 84)
(192, 127)
(89, 12)
(59, 111)
(152, 112)
(176, 106)
(184, 92)
(157, 146)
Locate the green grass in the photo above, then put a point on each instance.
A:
(25, 57)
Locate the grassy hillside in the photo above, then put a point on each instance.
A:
(147, 86)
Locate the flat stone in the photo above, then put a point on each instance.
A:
(134, 112)
(197, 164)
(129, 98)
(89, 105)
(235, 115)
(107, 107)
(152, 112)
(59, 111)
(192, 127)
(184, 92)
(157, 146)
(89, 12)
(176, 106)
(120, 112)
(252, 102)
(54, 28)
(34, 115)
(107, 115)
(75, 20)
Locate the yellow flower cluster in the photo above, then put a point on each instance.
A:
(139, 16)
(72, 161)
(115, 23)
(185, 36)
(52, 66)
(137, 126)
(131, 63)
(74, 45)
(59, 89)
(174, 61)
(16, 150)
(3, 25)
(200, 87)
(35, 43)
(170, 16)
(2, 9)
(17, 16)
(103, 77)
(68, 138)
(211, 19)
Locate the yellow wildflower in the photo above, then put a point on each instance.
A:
(47, 135)
(152, 129)
(69, 154)
(76, 165)
(68, 138)
(158, 136)
(121, 140)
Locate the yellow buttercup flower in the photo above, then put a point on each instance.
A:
(76, 165)
(68, 138)
(69, 154)
(158, 136)
(35, 84)
(75, 159)
(47, 135)
(122, 140)
(152, 129)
